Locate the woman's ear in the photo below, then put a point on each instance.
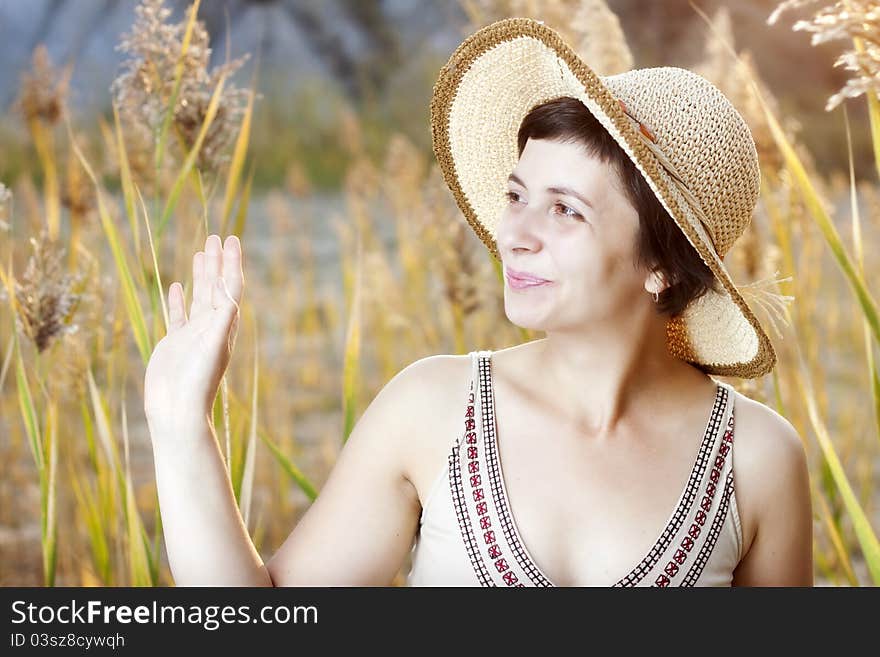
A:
(656, 282)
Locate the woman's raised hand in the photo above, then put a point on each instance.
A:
(186, 365)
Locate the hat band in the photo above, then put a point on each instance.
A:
(759, 293)
(648, 139)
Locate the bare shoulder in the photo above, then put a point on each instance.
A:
(432, 373)
(424, 397)
(766, 447)
(369, 493)
(423, 385)
(770, 472)
(764, 435)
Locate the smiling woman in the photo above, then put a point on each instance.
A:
(659, 244)
(616, 185)
(602, 454)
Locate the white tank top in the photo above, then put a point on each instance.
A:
(468, 536)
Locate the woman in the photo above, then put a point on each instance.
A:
(607, 437)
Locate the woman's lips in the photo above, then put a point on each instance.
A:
(522, 283)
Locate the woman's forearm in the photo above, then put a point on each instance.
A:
(205, 536)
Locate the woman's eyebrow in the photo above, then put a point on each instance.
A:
(568, 191)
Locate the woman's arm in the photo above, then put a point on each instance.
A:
(363, 522)
(773, 479)
(362, 525)
(205, 537)
(358, 530)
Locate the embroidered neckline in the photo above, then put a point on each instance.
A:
(681, 510)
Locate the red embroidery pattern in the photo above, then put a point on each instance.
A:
(712, 536)
(490, 536)
(496, 485)
(458, 497)
(672, 567)
(684, 508)
(493, 547)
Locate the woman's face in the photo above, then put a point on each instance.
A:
(568, 222)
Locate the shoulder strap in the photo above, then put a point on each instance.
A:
(469, 415)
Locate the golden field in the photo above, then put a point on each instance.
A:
(347, 286)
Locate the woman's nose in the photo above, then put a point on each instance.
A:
(518, 230)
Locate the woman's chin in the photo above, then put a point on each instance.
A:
(525, 317)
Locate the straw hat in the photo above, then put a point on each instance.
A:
(689, 142)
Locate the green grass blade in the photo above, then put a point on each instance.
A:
(102, 424)
(247, 483)
(157, 536)
(7, 359)
(243, 204)
(129, 294)
(861, 526)
(28, 411)
(138, 545)
(858, 249)
(190, 161)
(808, 192)
(156, 274)
(832, 526)
(817, 210)
(175, 90)
(138, 561)
(91, 513)
(873, 110)
(287, 465)
(43, 143)
(47, 503)
(351, 356)
(236, 166)
(199, 185)
(874, 117)
(89, 430)
(126, 179)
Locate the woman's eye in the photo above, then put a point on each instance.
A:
(567, 211)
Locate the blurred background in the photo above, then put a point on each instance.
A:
(382, 58)
(131, 130)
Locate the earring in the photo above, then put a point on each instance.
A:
(656, 297)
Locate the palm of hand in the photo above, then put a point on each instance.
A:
(186, 366)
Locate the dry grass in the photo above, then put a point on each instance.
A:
(340, 297)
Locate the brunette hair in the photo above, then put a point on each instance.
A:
(660, 243)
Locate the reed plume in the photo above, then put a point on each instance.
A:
(77, 192)
(464, 274)
(155, 49)
(592, 29)
(598, 37)
(733, 76)
(47, 297)
(847, 20)
(43, 91)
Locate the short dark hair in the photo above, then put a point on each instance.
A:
(660, 243)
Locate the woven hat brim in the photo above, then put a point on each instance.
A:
(517, 63)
